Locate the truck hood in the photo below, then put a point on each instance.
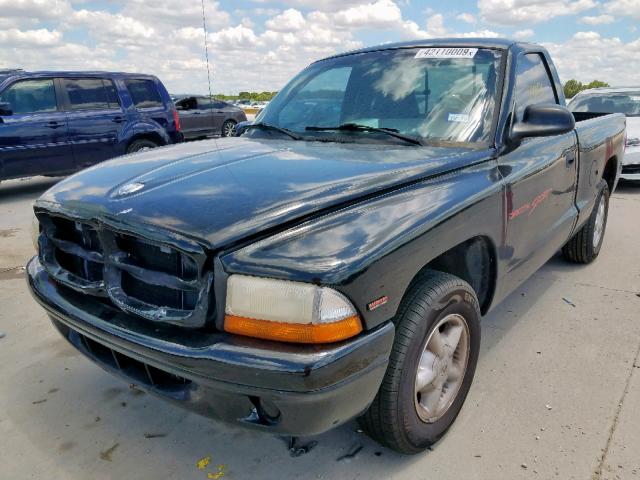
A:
(221, 192)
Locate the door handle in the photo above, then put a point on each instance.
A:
(117, 120)
(53, 124)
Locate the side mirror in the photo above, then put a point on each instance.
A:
(241, 127)
(543, 121)
(5, 109)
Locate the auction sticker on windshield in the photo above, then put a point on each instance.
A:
(446, 53)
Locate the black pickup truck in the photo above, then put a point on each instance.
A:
(335, 260)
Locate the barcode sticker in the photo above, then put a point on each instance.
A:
(446, 52)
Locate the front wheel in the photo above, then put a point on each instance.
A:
(141, 145)
(229, 128)
(431, 367)
(585, 245)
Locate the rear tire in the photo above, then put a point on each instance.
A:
(140, 145)
(585, 245)
(437, 306)
(229, 129)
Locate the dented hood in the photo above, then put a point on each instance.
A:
(222, 191)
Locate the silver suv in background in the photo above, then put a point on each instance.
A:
(624, 100)
(201, 116)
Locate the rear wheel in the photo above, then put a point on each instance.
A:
(140, 145)
(229, 128)
(585, 245)
(431, 367)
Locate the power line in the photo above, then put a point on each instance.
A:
(206, 55)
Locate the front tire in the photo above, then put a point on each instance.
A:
(431, 367)
(229, 129)
(585, 245)
(140, 145)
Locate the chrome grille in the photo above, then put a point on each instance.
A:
(158, 282)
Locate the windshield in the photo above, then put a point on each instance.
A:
(627, 103)
(431, 94)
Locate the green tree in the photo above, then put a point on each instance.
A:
(597, 84)
(572, 87)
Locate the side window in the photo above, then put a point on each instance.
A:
(112, 94)
(219, 105)
(533, 84)
(204, 103)
(91, 93)
(144, 93)
(31, 96)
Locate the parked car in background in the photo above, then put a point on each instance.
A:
(54, 123)
(201, 116)
(624, 100)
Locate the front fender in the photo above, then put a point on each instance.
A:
(144, 127)
(374, 249)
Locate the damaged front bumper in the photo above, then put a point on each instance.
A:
(285, 389)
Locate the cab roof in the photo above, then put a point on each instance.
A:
(17, 73)
(477, 42)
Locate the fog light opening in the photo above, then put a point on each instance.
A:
(264, 412)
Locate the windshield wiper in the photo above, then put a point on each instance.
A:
(266, 126)
(356, 127)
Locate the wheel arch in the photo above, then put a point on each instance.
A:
(152, 136)
(610, 172)
(474, 261)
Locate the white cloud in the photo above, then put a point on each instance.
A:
(381, 14)
(234, 38)
(435, 25)
(323, 5)
(30, 38)
(437, 28)
(170, 13)
(623, 8)
(33, 10)
(598, 20)
(523, 34)
(510, 12)
(116, 28)
(290, 20)
(467, 18)
(588, 55)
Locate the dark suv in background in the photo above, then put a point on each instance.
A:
(54, 123)
(202, 116)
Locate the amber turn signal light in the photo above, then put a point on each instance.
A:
(294, 332)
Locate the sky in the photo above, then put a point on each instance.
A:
(257, 45)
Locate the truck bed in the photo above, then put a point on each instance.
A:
(582, 116)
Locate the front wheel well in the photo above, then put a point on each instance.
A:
(154, 137)
(609, 172)
(474, 262)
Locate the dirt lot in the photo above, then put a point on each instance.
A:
(556, 394)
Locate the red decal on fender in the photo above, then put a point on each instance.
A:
(377, 303)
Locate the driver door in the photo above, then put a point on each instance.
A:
(540, 180)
